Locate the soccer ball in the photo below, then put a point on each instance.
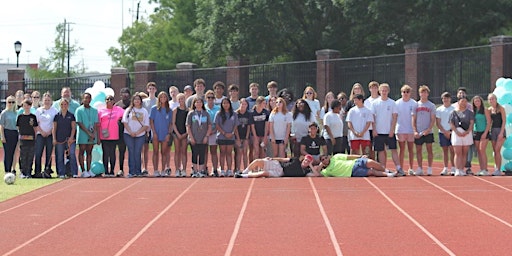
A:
(9, 178)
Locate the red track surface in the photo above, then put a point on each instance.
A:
(284, 216)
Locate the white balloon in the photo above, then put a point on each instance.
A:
(500, 82)
(109, 91)
(99, 85)
(499, 91)
(89, 90)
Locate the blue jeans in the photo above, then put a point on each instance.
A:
(59, 158)
(41, 144)
(134, 145)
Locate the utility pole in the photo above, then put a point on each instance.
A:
(69, 51)
(63, 43)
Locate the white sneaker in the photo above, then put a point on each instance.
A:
(444, 172)
(410, 172)
(156, 173)
(177, 173)
(483, 173)
(496, 173)
(452, 172)
(429, 171)
(229, 173)
(419, 172)
(183, 173)
(91, 174)
(222, 173)
(85, 175)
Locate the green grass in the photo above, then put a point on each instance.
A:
(21, 186)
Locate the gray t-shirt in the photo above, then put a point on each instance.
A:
(424, 112)
(189, 100)
(463, 118)
(228, 126)
(148, 103)
(198, 122)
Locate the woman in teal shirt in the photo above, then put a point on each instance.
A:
(9, 132)
(481, 132)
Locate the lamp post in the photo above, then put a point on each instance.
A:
(17, 49)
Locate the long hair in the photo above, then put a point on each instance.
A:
(223, 114)
(196, 99)
(242, 101)
(136, 95)
(306, 111)
(283, 110)
(166, 103)
(481, 109)
(326, 102)
(498, 106)
(356, 85)
(13, 106)
(259, 100)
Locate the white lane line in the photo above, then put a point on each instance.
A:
(334, 240)
(147, 226)
(497, 185)
(421, 227)
(37, 198)
(239, 221)
(69, 219)
(468, 203)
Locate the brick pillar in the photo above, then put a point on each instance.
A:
(185, 74)
(119, 79)
(15, 80)
(413, 68)
(238, 73)
(501, 58)
(326, 72)
(144, 73)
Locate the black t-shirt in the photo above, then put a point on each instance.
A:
(293, 168)
(244, 120)
(259, 120)
(312, 145)
(26, 124)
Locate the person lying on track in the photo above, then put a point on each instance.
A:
(342, 165)
(278, 167)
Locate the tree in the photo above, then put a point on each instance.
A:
(55, 65)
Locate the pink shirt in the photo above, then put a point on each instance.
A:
(108, 120)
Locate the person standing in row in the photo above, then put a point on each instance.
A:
(244, 132)
(87, 121)
(147, 104)
(63, 133)
(443, 124)
(259, 128)
(198, 125)
(180, 137)
(9, 133)
(226, 121)
(136, 123)
(44, 138)
(27, 125)
(359, 121)
(461, 122)
(161, 123)
(498, 133)
(199, 87)
(109, 118)
(333, 129)
(280, 121)
(404, 131)
(423, 120)
(302, 117)
(212, 110)
(124, 103)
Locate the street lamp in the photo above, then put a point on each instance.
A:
(17, 49)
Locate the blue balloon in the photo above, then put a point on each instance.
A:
(508, 142)
(508, 85)
(506, 98)
(500, 82)
(507, 154)
(97, 154)
(97, 168)
(508, 166)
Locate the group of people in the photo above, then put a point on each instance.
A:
(256, 136)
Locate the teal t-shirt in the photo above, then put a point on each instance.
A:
(480, 122)
(73, 105)
(88, 117)
(339, 166)
(8, 120)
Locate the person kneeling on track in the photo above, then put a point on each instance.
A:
(278, 167)
(342, 165)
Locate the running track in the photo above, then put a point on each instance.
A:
(282, 216)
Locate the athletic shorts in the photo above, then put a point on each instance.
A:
(212, 140)
(382, 140)
(443, 141)
(273, 167)
(477, 136)
(429, 138)
(360, 169)
(495, 132)
(402, 137)
(461, 141)
(357, 144)
(225, 142)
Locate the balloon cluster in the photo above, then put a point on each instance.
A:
(98, 95)
(503, 93)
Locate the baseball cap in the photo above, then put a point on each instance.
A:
(309, 157)
(188, 87)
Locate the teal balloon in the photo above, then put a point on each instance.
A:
(99, 97)
(506, 98)
(97, 168)
(508, 85)
(508, 142)
(507, 154)
(500, 82)
(97, 154)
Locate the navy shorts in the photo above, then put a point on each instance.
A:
(382, 140)
(279, 141)
(225, 142)
(443, 141)
(478, 136)
(429, 138)
(360, 169)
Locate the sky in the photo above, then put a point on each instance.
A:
(96, 26)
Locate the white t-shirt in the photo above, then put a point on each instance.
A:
(314, 105)
(404, 119)
(443, 113)
(359, 117)
(368, 102)
(300, 126)
(334, 122)
(383, 111)
(45, 118)
(135, 118)
(278, 122)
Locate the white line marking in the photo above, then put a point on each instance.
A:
(68, 220)
(421, 227)
(239, 220)
(497, 185)
(334, 240)
(147, 226)
(37, 198)
(468, 203)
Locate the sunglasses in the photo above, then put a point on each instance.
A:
(11, 102)
(406, 91)
(309, 93)
(109, 99)
(210, 98)
(35, 97)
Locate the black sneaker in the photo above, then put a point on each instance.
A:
(469, 172)
(120, 174)
(144, 173)
(215, 173)
(238, 175)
